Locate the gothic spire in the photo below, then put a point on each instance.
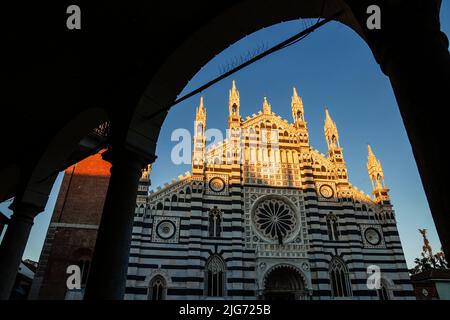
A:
(375, 170)
(331, 132)
(234, 119)
(297, 107)
(200, 114)
(266, 107)
(234, 100)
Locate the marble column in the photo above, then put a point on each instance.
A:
(107, 278)
(14, 243)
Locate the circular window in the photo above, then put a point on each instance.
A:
(275, 217)
(372, 236)
(216, 184)
(165, 229)
(326, 191)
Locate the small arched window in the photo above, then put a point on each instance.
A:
(332, 227)
(199, 128)
(379, 181)
(174, 201)
(166, 202)
(157, 288)
(340, 284)
(215, 225)
(159, 206)
(334, 140)
(215, 276)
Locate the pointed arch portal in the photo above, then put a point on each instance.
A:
(284, 283)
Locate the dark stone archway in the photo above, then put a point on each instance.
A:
(284, 283)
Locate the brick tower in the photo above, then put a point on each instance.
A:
(73, 228)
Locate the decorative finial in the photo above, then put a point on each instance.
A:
(266, 106)
(297, 107)
(375, 170)
(328, 121)
(233, 105)
(201, 110)
(370, 152)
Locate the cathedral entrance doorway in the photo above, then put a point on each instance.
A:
(284, 283)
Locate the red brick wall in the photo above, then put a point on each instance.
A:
(83, 192)
(80, 201)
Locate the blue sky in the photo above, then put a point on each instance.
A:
(333, 67)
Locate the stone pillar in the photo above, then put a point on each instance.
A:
(413, 53)
(13, 245)
(108, 272)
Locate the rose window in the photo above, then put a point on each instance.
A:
(274, 218)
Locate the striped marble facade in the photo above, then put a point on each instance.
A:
(266, 164)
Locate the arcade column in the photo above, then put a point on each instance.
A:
(107, 278)
(14, 243)
(413, 53)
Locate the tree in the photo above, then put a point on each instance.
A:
(428, 260)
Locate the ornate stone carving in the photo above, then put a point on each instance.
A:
(274, 218)
(165, 229)
(372, 236)
(217, 184)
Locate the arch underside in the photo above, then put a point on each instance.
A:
(187, 59)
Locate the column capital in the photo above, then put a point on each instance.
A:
(124, 155)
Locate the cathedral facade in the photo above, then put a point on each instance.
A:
(263, 215)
